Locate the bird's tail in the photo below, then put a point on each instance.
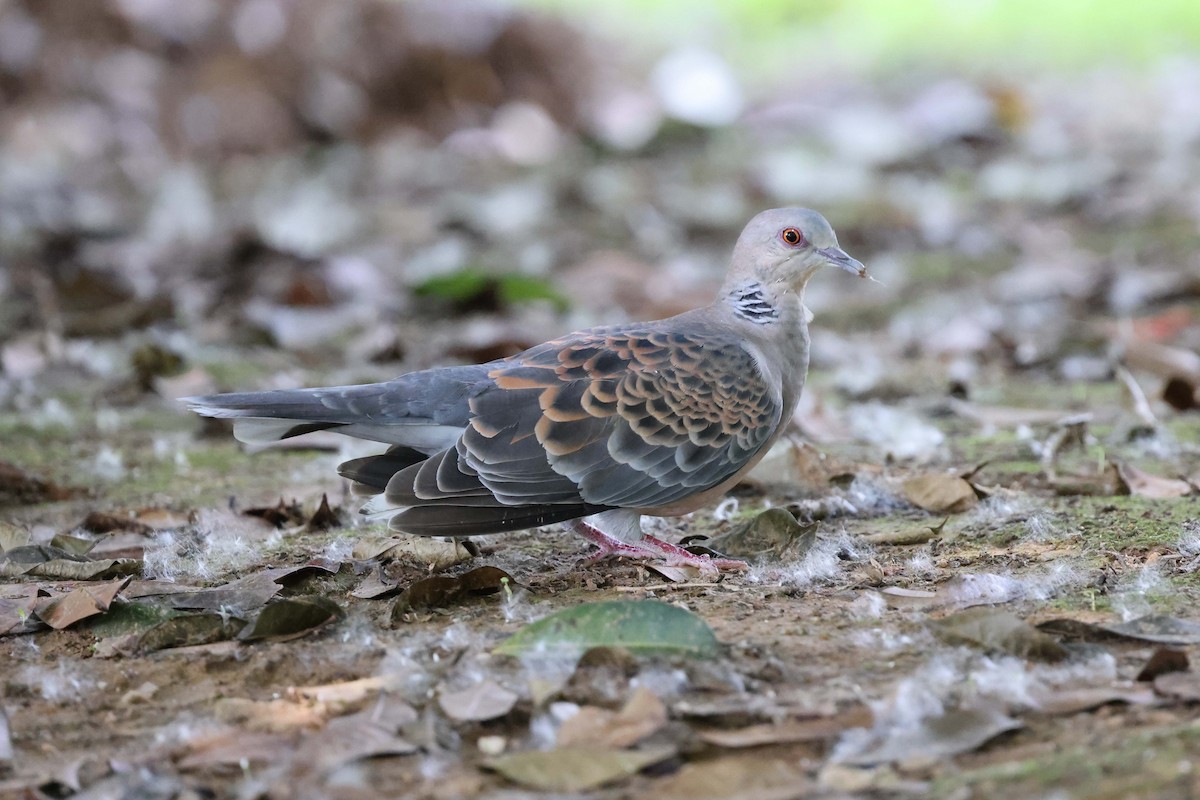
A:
(260, 417)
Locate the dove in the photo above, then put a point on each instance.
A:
(595, 429)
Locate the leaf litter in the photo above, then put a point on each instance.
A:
(1071, 374)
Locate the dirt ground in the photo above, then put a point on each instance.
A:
(986, 581)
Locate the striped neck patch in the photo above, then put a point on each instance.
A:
(750, 302)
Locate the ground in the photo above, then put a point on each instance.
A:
(984, 576)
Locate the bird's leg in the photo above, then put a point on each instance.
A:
(681, 556)
(609, 545)
(650, 549)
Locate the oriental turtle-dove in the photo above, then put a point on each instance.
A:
(609, 424)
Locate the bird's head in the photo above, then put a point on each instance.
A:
(784, 247)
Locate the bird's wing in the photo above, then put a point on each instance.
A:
(639, 416)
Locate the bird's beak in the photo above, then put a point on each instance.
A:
(838, 257)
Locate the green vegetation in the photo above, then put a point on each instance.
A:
(881, 34)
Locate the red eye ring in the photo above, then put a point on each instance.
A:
(792, 236)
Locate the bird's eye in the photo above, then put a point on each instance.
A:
(792, 236)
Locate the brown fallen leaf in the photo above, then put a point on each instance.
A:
(13, 535)
(789, 731)
(234, 747)
(1003, 416)
(427, 553)
(1163, 661)
(1144, 484)
(348, 693)
(900, 597)
(769, 537)
(940, 493)
(164, 519)
(370, 733)
(241, 596)
(375, 585)
(16, 613)
(483, 701)
(742, 777)
(1072, 701)
(269, 716)
(19, 488)
(440, 591)
(961, 591)
(1183, 686)
(74, 545)
(107, 522)
(72, 570)
(79, 604)
(955, 731)
(994, 630)
(1180, 394)
(1159, 628)
(280, 515)
(575, 769)
(325, 517)
(643, 715)
(601, 677)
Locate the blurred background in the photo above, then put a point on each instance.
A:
(226, 194)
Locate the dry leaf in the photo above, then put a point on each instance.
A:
(241, 596)
(325, 517)
(348, 693)
(998, 631)
(736, 778)
(948, 734)
(292, 618)
(789, 731)
(1144, 484)
(425, 552)
(1072, 701)
(269, 716)
(483, 701)
(1159, 628)
(19, 488)
(644, 714)
(940, 493)
(106, 522)
(1163, 661)
(79, 604)
(234, 747)
(899, 597)
(375, 585)
(771, 536)
(367, 734)
(1183, 686)
(575, 769)
(280, 515)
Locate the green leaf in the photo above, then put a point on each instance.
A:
(474, 287)
(643, 627)
(189, 629)
(457, 286)
(292, 617)
(523, 288)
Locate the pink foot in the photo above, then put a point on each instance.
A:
(652, 549)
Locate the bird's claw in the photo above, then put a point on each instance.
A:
(654, 550)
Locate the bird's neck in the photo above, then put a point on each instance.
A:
(775, 318)
(764, 304)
